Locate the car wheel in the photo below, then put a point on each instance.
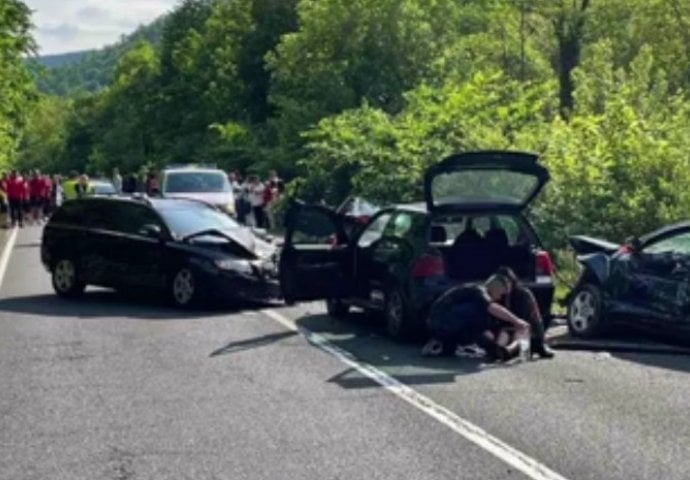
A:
(66, 279)
(337, 308)
(183, 288)
(585, 312)
(396, 314)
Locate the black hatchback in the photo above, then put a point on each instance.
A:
(473, 221)
(187, 249)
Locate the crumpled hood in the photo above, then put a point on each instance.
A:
(242, 237)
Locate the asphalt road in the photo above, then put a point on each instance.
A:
(120, 388)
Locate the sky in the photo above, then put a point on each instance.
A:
(71, 25)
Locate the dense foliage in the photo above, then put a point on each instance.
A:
(16, 87)
(362, 95)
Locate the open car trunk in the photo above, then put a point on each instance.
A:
(475, 246)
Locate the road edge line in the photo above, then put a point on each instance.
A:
(529, 466)
(7, 253)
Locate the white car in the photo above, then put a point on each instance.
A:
(209, 185)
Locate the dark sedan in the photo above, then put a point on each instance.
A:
(187, 249)
(644, 284)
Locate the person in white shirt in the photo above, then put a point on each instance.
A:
(117, 180)
(256, 200)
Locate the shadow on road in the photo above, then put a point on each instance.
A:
(364, 337)
(107, 304)
(234, 347)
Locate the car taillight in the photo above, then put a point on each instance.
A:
(428, 266)
(545, 266)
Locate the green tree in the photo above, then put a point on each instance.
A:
(16, 85)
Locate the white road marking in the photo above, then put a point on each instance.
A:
(6, 253)
(527, 465)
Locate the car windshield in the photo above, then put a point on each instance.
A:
(196, 182)
(103, 189)
(185, 220)
(482, 187)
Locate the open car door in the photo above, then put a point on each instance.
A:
(491, 180)
(316, 260)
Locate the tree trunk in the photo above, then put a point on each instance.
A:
(569, 26)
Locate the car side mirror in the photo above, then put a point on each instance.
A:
(152, 231)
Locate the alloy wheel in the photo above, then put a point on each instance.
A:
(183, 287)
(395, 313)
(583, 311)
(64, 276)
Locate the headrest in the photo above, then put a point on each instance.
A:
(438, 234)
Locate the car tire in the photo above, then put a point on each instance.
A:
(65, 278)
(396, 314)
(586, 316)
(336, 308)
(184, 288)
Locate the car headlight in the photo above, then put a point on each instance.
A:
(231, 264)
(229, 208)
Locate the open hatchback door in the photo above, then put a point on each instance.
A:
(486, 180)
(316, 261)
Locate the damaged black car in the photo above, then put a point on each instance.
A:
(186, 249)
(643, 284)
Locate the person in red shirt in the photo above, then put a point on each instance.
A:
(46, 195)
(16, 192)
(36, 196)
(4, 203)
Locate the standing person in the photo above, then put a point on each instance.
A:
(82, 186)
(256, 200)
(4, 202)
(15, 198)
(47, 196)
(69, 186)
(468, 314)
(36, 196)
(522, 303)
(236, 185)
(117, 181)
(152, 185)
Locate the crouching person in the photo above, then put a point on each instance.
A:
(469, 314)
(522, 303)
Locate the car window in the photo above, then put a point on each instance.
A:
(679, 244)
(196, 182)
(71, 213)
(130, 218)
(374, 231)
(513, 228)
(99, 215)
(404, 225)
(311, 226)
(186, 219)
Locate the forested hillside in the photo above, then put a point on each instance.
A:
(89, 71)
(363, 95)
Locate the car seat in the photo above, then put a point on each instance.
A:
(468, 255)
(497, 245)
(438, 234)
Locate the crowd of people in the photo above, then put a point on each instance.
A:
(28, 198)
(255, 199)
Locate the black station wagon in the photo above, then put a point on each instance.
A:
(185, 248)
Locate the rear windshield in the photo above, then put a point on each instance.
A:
(483, 187)
(196, 182)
